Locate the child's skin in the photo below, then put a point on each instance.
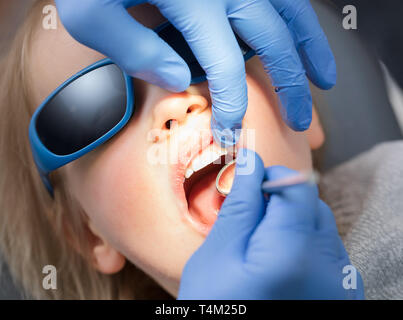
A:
(131, 205)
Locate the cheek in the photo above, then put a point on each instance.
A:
(101, 189)
(126, 199)
(118, 198)
(273, 140)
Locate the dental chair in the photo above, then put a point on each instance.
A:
(356, 114)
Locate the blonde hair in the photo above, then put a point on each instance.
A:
(36, 230)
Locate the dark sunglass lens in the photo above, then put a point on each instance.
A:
(175, 39)
(245, 49)
(83, 111)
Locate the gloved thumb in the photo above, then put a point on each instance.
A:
(243, 208)
(295, 207)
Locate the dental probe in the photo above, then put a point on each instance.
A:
(275, 186)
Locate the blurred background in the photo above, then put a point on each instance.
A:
(380, 25)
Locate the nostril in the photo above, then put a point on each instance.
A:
(168, 124)
(192, 108)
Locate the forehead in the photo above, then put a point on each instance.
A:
(55, 55)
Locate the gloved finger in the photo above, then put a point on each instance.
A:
(326, 224)
(272, 41)
(243, 208)
(310, 39)
(326, 220)
(295, 208)
(205, 26)
(107, 27)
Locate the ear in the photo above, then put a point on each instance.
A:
(106, 259)
(315, 134)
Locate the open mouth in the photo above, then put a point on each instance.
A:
(200, 199)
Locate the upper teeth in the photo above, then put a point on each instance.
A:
(209, 155)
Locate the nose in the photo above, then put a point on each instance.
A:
(176, 109)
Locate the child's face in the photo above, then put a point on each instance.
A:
(137, 208)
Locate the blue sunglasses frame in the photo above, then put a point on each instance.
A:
(47, 161)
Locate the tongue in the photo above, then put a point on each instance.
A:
(204, 201)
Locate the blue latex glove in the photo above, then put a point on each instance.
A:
(284, 33)
(286, 248)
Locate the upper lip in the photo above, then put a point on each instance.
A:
(189, 151)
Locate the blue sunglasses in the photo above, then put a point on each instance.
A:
(92, 106)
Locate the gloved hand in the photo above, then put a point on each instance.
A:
(273, 28)
(286, 248)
